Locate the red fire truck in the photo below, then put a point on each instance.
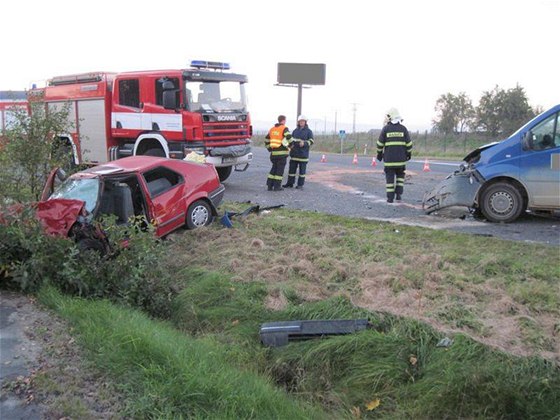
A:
(169, 113)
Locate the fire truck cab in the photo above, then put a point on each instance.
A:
(168, 113)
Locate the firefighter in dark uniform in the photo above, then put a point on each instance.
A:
(277, 142)
(395, 148)
(302, 139)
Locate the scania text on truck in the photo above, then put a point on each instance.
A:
(503, 179)
(167, 113)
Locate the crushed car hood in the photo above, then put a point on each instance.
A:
(57, 216)
(475, 154)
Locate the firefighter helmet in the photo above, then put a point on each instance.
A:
(394, 116)
(302, 118)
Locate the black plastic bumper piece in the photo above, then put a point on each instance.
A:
(276, 334)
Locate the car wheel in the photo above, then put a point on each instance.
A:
(501, 202)
(224, 172)
(156, 151)
(199, 214)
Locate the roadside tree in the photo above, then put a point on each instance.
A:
(501, 112)
(454, 113)
(31, 150)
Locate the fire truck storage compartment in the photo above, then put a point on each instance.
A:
(93, 130)
(90, 125)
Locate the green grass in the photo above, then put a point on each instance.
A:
(165, 374)
(416, 286)
(222, 373)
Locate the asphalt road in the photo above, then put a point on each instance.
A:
(341, 187)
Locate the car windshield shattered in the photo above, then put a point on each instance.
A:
(84, 189)
(224, 96)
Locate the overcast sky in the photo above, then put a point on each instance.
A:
(378, 55)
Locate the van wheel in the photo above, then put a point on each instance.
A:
(501, 202)
(224, 172)
(199, 214)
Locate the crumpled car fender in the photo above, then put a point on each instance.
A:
(57, 216)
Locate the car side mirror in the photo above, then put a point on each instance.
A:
(527, 141)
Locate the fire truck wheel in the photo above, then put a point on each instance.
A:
(224, 172)
(156, 151)
(199, 214)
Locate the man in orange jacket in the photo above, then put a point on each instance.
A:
(277, 141)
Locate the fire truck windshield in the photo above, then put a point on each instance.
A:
(215, 96)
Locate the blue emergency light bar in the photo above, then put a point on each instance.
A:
(203, 64)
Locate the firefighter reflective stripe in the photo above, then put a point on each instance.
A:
(400, 182)
(296, 159)
(395, 163)
(390, 188)
(279, 152)
(395, 143)
(274, 177)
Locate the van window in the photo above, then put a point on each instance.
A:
(546, 135)
(129, 93)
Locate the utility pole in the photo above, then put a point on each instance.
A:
(335, 118)
(354, 109)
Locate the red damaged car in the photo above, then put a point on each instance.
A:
(169, 193)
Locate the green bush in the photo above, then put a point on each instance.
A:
(131, 275)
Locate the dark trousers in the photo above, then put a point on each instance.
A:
(292, 171)
(395, 181)
(276, 174)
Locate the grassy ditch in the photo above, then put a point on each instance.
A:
(165, 374)
(216, 368)
(214, 287)
(501, 293)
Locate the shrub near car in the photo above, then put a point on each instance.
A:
(169, 193)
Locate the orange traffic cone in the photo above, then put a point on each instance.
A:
(373, 162)
(426, 166)
(355, 160)
(323, 159)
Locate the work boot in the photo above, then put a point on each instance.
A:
(299, 187)
(270, 188)
(398, 198)
(278, 189)
(390, 200)
(288, 185)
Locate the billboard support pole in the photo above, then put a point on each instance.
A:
(299, 99)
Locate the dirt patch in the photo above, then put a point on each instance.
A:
(59, 381)
(499, 320)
